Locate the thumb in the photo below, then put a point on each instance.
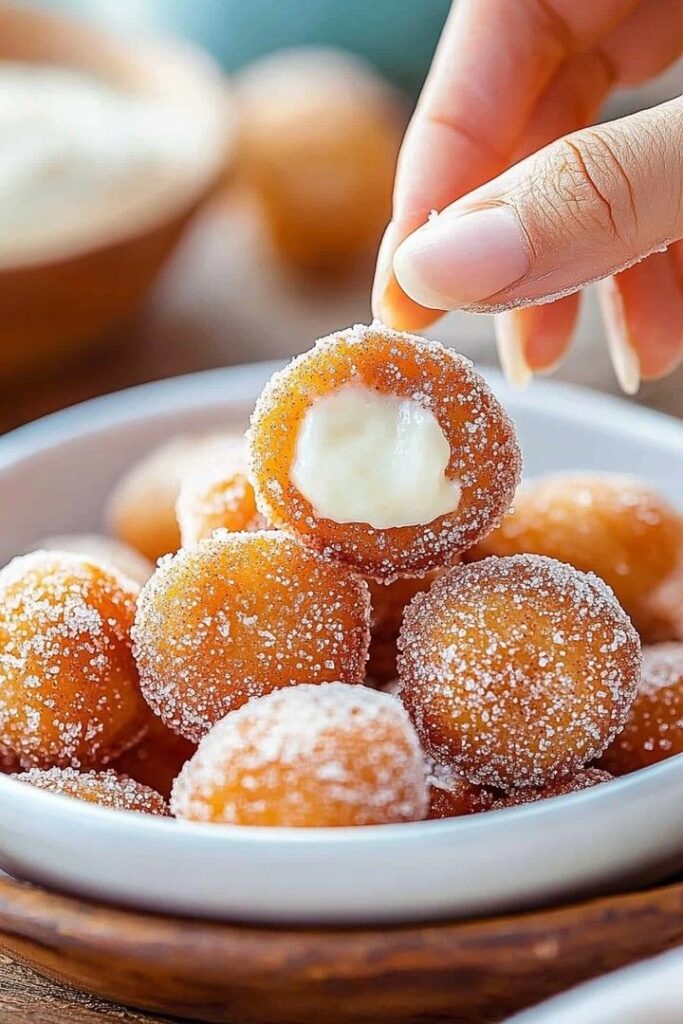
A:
(583, 208)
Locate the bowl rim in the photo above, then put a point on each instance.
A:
(169, 57)
(610, 995)
(231, 383)
(236, 384)
(159, 827)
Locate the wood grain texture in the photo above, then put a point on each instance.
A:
(474, 971)
(29, 998)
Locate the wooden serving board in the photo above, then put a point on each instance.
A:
(466, 971)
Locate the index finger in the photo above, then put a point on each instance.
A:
(492, 64)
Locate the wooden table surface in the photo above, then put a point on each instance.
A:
(223, 300)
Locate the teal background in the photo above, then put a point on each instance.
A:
(397, 36)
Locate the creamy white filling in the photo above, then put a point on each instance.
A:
(367, 457)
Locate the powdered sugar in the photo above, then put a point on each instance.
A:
(662, 667)
(310, 755)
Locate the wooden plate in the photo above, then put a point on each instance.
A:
(471, 971)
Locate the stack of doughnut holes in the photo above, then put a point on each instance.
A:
(354, 615)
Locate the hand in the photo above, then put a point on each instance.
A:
(509, 77)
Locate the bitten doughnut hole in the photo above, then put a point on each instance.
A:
(69, 692)
(242, 614)
(383, 451)
(618, 527)
(105, 788)
(517, 671)
(305, 757)
(389, 601)
(654, 729)
(142, 508)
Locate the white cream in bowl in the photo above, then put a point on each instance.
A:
(78, 151)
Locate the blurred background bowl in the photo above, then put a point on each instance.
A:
(67, 292)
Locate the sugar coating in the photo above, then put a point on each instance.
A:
(99, 548)
(328, 755)
(105, 788)
(485, 457)
(662, 667)
(654, 729)
(451, 795)
(241, 614)
(69, 691)
(141, 508)
(616, 526)
(585, 779)
(217, 495)
(157, 759)
(517, 671)
(388, 604)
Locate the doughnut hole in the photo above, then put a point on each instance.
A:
(618, 527)
(585, 779)
(517, 671)
(306, 757)
(484, 455)
(320, 133)
(142, 507)
(99, 548)
(105, 788)
(157, 759)
(218, 496)
(242, 614)
(389, 601)
(654, 728)
(69, 690)
(452, 796)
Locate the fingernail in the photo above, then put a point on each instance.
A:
(511, 350)
(459, 259)
(384, 270)
(619, 345)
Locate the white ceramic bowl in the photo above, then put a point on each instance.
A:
(54, 477)
(648, 993)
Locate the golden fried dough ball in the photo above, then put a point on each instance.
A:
(585, 779)
(69, 690)
(239, 615)
(320, 133)
(104, 788)
(517, 671)
(615, 526)
(383, 451)
(306, 757)
(654, 728)
(141, 509)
